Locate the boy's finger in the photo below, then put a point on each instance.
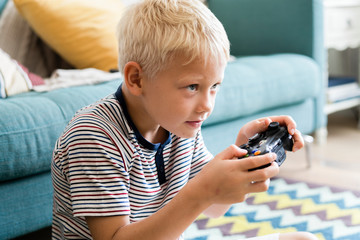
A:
(261, 175)
(262, 124)
(286, 121)
(257, 161)
(232, 152)
(298, 141)
(260, 186)
(258, 125)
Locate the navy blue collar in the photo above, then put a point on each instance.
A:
(151, 146)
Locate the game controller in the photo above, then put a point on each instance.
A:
(275, 139)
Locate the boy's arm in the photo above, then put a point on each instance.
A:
(214, 184)
(217, 210)
(168, 223)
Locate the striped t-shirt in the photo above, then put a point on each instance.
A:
(102, 166)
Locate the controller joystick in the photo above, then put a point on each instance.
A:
(275, 139)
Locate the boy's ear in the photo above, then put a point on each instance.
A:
(133, 77)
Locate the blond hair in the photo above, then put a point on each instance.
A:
(153, 32)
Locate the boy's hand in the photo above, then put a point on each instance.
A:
(226, 179)
(261, 124)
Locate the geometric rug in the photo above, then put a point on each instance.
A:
(288, 206)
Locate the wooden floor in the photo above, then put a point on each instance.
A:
(337, 162)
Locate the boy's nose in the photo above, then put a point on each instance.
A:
(206, 103)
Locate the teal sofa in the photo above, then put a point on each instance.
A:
(278, 69)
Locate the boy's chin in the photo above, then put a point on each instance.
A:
(190, 134)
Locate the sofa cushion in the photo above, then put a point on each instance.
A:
(26, 206)
(81, 31)
(30, 124)
(253, 84)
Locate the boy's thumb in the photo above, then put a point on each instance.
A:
(232, 152)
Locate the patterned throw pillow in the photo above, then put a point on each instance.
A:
(14, 78)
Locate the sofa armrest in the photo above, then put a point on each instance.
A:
(261, 27)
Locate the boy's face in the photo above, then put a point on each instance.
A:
(181, 97)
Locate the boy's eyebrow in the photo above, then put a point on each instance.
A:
(191, 76)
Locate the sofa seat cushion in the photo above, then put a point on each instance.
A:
(30, 124)
(26, 206)
(253, 84)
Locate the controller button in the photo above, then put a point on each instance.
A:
(273, 126)
(257, 152)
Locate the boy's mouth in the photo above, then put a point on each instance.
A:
(195, 124)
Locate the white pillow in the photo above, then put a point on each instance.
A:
(13, 79)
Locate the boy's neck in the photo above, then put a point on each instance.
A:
(152, 132)
(158, 135)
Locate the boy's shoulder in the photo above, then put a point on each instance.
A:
(106, 102)
(104, 114)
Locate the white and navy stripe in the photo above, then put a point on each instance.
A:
(102, 166)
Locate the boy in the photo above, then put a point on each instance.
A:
(134, 165)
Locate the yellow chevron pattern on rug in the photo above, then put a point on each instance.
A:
(308, 206)
(288, 206)
(240, 224)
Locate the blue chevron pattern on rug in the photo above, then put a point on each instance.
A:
(288, 206)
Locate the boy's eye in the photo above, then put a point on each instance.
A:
(216, 86)
(193, 87)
